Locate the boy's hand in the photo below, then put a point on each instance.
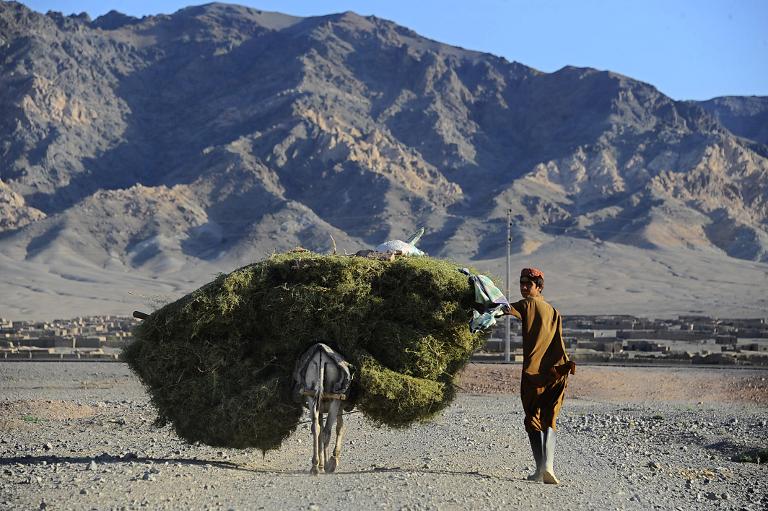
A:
(556, 372)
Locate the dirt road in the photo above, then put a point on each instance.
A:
(80, 436)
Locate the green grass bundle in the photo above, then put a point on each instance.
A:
(218, 363)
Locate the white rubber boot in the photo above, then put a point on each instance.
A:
(548, 474)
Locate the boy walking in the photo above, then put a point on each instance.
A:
(545, 370)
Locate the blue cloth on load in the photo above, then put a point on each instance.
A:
(492, 300)
(486, 292)
(485, 320)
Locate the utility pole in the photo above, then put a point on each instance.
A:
(507, 318)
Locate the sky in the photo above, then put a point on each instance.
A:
(688, 49)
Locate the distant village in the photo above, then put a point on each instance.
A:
(596, 339)
(628, 339)
(88, 338)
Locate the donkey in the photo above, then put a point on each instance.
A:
(321, 381)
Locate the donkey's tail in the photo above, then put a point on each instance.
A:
(320, 379)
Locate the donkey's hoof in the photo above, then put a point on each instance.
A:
(314, 471)
(330, 466)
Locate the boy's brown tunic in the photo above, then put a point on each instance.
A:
(543, 349)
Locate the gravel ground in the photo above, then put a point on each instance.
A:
(80, 436)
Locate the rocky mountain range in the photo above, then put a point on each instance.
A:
(175, 146)
(746, 117)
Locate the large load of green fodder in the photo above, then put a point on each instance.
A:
(218, 363)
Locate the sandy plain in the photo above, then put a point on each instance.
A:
(581, 278)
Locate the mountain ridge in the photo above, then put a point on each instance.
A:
(219, 133)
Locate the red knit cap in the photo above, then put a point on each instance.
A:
(532, 273)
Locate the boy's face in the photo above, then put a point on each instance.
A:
(529, 288)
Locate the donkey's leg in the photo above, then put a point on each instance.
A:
(324, 441)
(321, 440)
(314, 410)
(340, 429)
(333, 412)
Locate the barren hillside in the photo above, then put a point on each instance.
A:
(154, 152)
